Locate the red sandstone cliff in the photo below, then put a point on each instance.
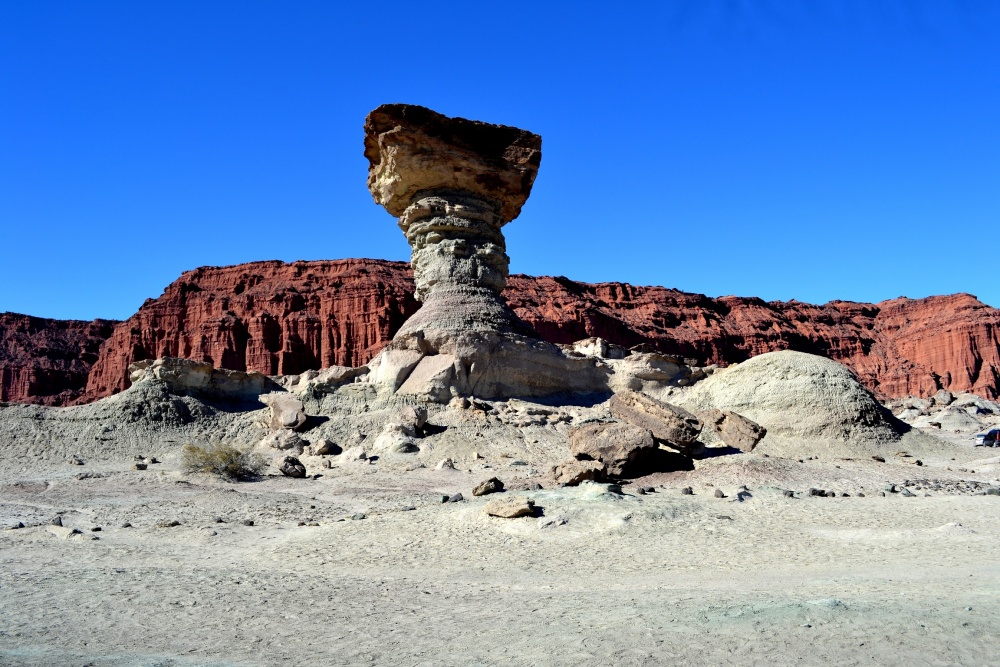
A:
(272, 317)
(286, 318)
(47, 361)
(896, 348)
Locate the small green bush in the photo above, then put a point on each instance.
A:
(225, 461)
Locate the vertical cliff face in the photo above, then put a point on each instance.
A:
(270, 317)
(280, 318)
(950, 342)
(47, 361)
(896, 348)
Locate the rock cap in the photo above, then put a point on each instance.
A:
(413, 150)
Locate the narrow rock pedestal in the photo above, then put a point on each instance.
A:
(454, 183)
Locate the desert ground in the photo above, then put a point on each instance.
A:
(362, 563)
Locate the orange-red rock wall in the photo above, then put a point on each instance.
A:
(280, 318)
(47, 361)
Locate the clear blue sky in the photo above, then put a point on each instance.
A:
(810, 150)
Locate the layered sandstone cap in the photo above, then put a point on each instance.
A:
(413, 150)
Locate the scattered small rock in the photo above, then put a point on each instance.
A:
(687, 491)
(247, 522)
(324, 447)
(354, 455)
(292, 467)
(56, 521)
(62, 532)
(880, 459)
(492, 485)
(139, 466)
(788, 493)
(719, 493)
(457, 498)
(126, 525)
(95, 529)
(359, 516)
(649, 489)
(445, 464)
(552, 521)
(510, 508)
(168, 524)
(535, 487)
(75, 460)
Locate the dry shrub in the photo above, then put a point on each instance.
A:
(226, 461)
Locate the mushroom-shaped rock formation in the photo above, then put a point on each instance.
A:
(454, 183)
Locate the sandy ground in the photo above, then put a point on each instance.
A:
(597, 578)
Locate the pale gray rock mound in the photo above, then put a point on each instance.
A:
(185, 377)
(453, 184)
(807, 403)
(950, 419)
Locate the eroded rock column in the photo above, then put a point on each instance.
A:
(453, 184)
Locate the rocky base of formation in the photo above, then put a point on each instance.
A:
(656, 415)
(279, 319)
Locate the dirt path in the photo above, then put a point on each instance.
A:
(633, 580)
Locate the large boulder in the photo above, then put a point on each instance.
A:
(622, 448)
(287, 411)
(669, 424)
(732, 429)
(952, 419)
(571, 473)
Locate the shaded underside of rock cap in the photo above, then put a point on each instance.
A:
(412, 149)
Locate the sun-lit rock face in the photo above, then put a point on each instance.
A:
(413, 150)
(453, 183)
